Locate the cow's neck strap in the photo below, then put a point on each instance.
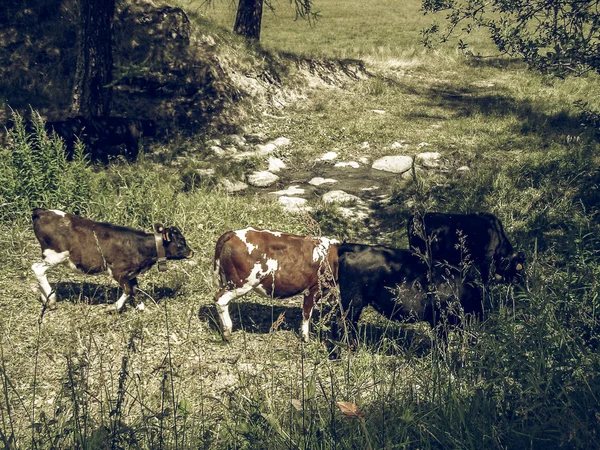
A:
(160, 249)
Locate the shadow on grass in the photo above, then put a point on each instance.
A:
(465, 100)
(101, 294)
(255, 317)
(263, 319)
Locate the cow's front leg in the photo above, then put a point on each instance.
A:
(50, 259)
(129, 291)
(222, 299)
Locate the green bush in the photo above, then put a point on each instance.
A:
(36, 173)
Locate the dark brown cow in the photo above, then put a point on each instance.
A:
(94, 247)
(274, 264)
(456, 239)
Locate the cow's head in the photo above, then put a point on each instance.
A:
(512, 269)
(174, 243)
(148, 127)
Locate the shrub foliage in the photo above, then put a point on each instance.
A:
(35, 172)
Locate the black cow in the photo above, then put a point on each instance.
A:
(475, 239)
(70, 130)
(399, 284)
(94, 247)
(101, 134)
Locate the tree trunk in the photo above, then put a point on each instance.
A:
(91, 94)
(249, 18)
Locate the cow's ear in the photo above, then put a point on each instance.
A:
(167, 236)
(158, 228)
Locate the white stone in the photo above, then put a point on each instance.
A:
(235, 139)
(423, 144)
(217, 150)
(281, 142)
(378, 111)
(352, 164)
(400, 144)
(463, 170)
(365, 145)
(364, 160)
(350, 213)
(275, 164)
(318, 181)
(294, 204)
(339, 197)
(394, 163)
(266, 149)
(243, 155)
(292, 190)
(428, 159)
(234, 186)
(329, 156)
(262, 179)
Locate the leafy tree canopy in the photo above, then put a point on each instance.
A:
(560, 37)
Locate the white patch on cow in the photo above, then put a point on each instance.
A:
(58, 212)
(241, 234)
(253, 282)
(320, 250)
(119, 304)
(305, 329)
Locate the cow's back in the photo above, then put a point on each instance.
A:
(456, 237)
(378, 275)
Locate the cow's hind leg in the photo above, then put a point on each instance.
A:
(307, 310)
(50, 259)
(222, 299)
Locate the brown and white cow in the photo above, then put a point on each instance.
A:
(274, 264)
(95, 247)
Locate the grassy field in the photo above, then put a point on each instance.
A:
(527, 377)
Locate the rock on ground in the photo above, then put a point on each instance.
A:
(318, 181)
(262, 179)
(275, 164)
(339, 197)
(233, 186)
(393, 163)
(294, 204)
(429, 160)
(292, 190)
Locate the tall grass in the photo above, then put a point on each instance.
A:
(35, 172)
(526, 377)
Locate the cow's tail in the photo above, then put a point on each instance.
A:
(221, 249)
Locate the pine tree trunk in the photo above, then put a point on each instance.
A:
(91, 96)
(248, 19)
